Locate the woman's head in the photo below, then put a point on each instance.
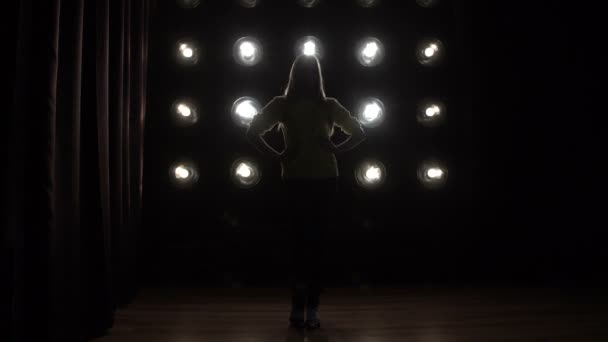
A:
(305, 79)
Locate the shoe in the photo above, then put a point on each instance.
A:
(297, 323)
(312, 324)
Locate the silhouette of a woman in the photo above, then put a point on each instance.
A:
(309, 170)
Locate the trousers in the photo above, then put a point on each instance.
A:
(311, 208)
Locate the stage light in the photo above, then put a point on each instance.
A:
(183, 173)
(244, 109)
(188, 4)
(370, 52)
(432, 174)
(368, 3)
(427, 3)
(430, 51)
(309, 46)
(431, 113)
(249, 3)
(371, 112)
(185, 112)
(245, 173)
(309, 3)
(370, 174)
(247, 51)
(187, 53)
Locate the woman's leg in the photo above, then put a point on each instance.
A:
(310, 205)
(295, 190)
(323, 206)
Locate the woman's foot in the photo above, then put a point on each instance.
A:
(297, 323)
(313, 320)
(312, 324)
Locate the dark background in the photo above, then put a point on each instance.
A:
(522, 143)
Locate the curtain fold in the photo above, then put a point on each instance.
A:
(75, 162)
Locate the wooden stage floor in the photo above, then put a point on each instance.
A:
(382, 314)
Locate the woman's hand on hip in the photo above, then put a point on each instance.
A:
(326, 143)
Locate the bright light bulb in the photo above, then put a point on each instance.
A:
(373, 174)
(429, 52)
(181, 172)
(187, 52)
(370, 50)
(244, 170)
(184, 110)
(246, 110)
(247, 50)
(310, 48)
(371, 112)
(434, 173)
(432, 111)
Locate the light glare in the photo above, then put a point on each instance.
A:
(181, 172)
(310, 48)
(246, 110)
(244, 170)
(432, 111)
(245, 173)
(370, 50)
(188, 52)
(372, 111)
(247, 50)
(184, 110)
(434, 173)
(373, 174)
(370, 174)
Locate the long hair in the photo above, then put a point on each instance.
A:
(305, 79)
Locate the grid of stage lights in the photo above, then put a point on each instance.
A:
(370, 111)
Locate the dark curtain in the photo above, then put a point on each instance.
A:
(72, 180)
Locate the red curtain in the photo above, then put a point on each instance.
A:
(73, 179)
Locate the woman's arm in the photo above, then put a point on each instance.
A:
(355, 139)
(261, 145)
(351, 142)
(268, 117)
(349, 124)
